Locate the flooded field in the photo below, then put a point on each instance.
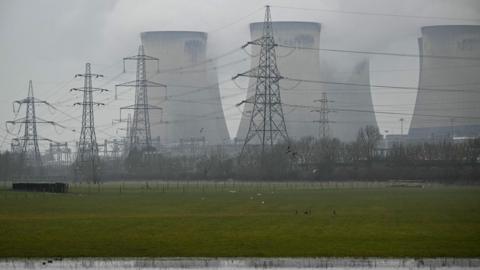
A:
(242, 263)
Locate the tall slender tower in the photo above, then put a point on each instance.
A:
(140, 137)
(87, 162)
(324, 129)
(27, 145)
(30, 148)
(293, 62)
(267, 123)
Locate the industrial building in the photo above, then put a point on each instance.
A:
(448, 95)
(301, 98)
(192, 109)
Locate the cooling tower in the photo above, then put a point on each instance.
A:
(449, 91)
(305, 65)
(351, 99)
(192, 108)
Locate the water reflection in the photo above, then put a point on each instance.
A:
(241, 264)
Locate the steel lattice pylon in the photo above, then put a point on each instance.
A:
(87, 161)
(267, 122)
(27, 145)
(324, 129)
(139, 136)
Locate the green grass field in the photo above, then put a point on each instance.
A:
(227, 219)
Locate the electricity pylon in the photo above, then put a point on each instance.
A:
(401, 126)
(140, 137)
(324, 127)
(87, 161)
(267, 122)
(27, 145)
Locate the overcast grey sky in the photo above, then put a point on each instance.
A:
(49, 41)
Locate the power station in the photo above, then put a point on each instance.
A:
(293, 92)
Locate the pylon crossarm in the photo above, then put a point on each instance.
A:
(93, 89)
(18, 121)
(141, 106)
(264, 42)
(259, 42)
(246, 44)
(253, 74)
(88, 103)
(140, 57)
(36, 122)
(248, 100)
(89, 75)
(28, 100)
(247, 73)
(141, 83)
(30, 137)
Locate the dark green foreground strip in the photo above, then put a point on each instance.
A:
(241, 222)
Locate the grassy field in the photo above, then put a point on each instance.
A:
(231, 219)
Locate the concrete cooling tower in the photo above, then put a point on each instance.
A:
(448, 96)
(351, 102)
(192, 108)
(305, 65)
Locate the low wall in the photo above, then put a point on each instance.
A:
(41, 187)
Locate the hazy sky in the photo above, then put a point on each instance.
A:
(49, 41)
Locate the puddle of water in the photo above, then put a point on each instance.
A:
(241, 263)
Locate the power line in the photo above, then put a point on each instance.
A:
(208, 60)
(381, 53)
(382, 86)
(237, 21)
(388, 113)
(381, 14)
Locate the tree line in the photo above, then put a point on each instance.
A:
(326, 159)
(312, 159)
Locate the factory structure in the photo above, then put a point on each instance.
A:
(448, 95)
